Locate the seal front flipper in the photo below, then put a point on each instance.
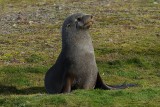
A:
(55, 77)
(68, 84)
(101, 85)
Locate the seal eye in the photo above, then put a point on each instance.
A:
(79, 19)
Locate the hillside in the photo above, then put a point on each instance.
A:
(126, 38)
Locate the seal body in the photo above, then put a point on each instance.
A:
(75, 67)
(82, 65)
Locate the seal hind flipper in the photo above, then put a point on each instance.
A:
(101, 85)
(123, 86)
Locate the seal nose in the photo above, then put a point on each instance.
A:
(88, 21)
(89, 16)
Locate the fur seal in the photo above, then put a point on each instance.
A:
(76, 66)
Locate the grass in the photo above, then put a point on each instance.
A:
(92, 98)
(126, 38)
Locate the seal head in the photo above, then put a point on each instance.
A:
(79, 21)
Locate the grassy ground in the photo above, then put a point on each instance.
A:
(126, 37)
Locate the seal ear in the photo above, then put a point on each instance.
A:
(79, 19)
(68, 25)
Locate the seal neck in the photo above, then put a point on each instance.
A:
(74, 38)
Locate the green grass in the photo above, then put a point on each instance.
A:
(126, 38)
(136, 97)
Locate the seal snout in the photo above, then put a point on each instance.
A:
(88, 21)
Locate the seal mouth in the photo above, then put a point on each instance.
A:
(88, 22)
